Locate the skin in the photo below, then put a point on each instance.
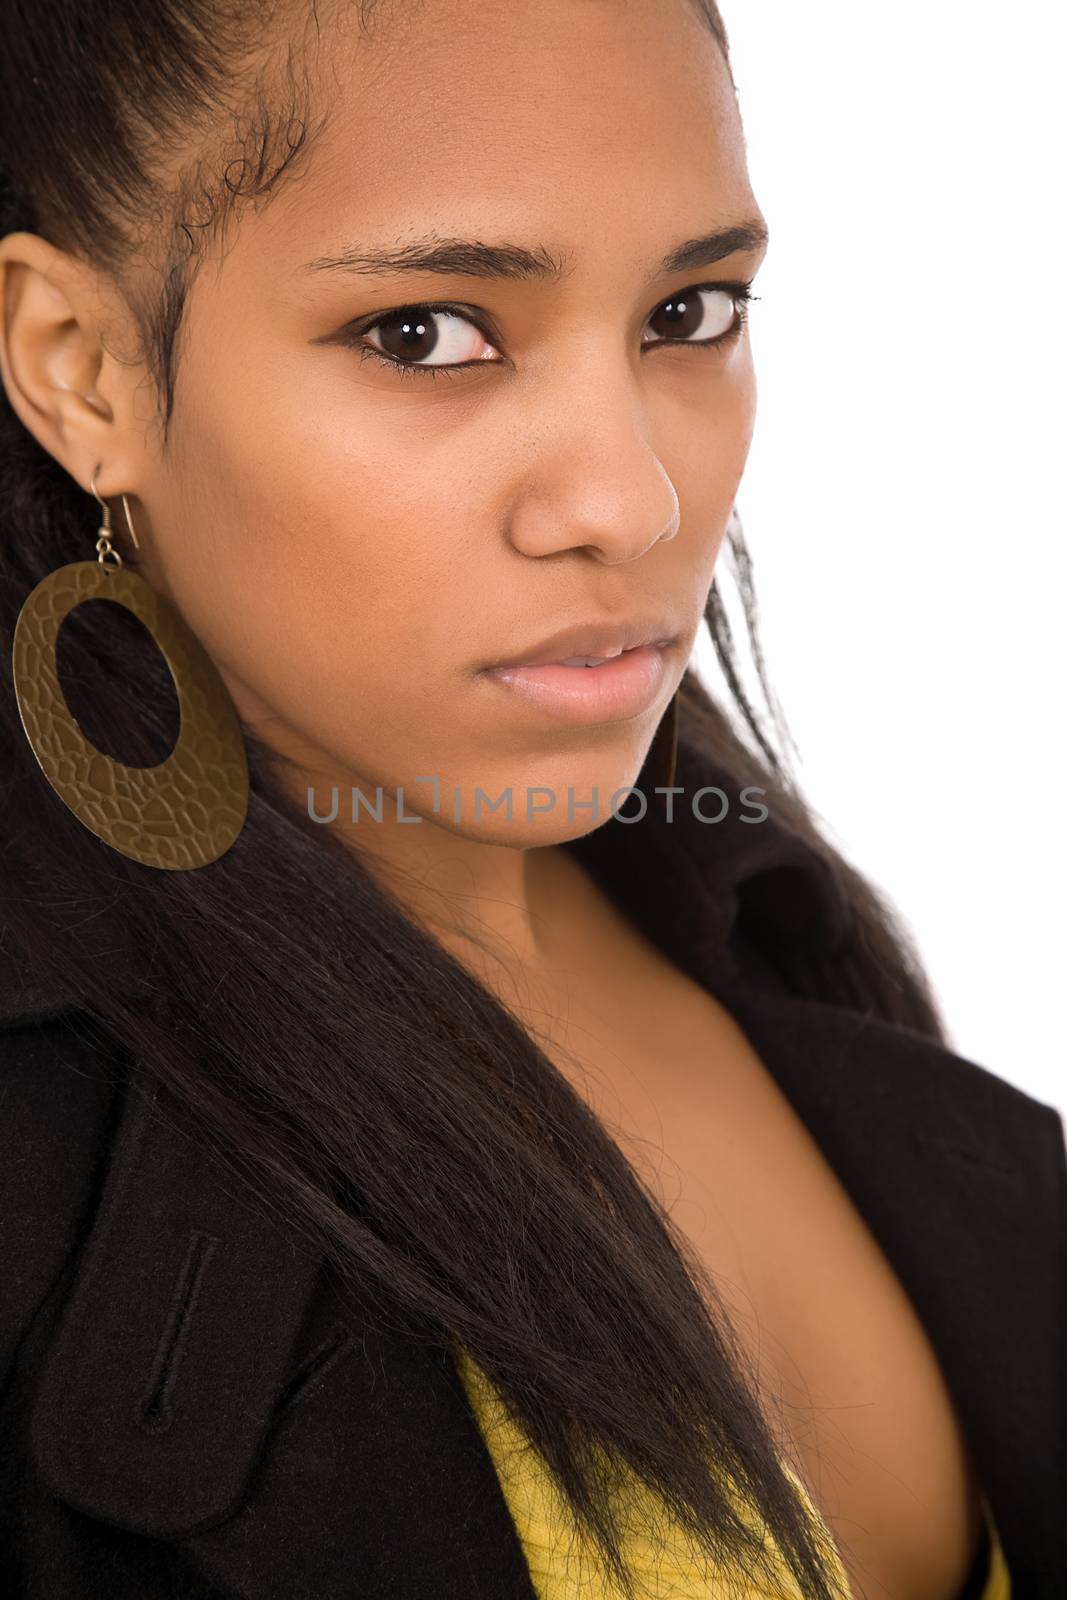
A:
(351, 545)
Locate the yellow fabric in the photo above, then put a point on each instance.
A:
(564, 1565)
(998, 1584)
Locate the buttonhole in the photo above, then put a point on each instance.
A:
(316, 1365)
(155, 1413)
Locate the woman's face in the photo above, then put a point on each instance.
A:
(355, 542)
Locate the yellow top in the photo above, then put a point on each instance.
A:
(998, 1584)
(564, 1564)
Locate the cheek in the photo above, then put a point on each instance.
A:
(708, 468)
(733, 442)
(309, 566)
(738, 416)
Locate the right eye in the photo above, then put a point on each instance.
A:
(412, 335)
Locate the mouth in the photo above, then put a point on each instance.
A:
(592, 645)
(590, 689)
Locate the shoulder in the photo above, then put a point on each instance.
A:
(60, 1087)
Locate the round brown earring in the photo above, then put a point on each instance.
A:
(188, 810)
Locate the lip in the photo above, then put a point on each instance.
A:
(602, 638)
(618, 691)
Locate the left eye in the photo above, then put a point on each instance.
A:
(435, 338)
(701, 316)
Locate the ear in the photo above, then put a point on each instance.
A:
(66, 388)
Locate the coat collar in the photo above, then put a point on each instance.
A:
(256, 1442)
(711, 856)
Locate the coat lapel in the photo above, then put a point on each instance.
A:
(206, 1387)
(961, 1179)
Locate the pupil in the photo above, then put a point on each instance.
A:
(679, 318)
(408, 336)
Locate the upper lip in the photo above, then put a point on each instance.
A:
(605, 638)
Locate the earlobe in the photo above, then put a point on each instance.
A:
(51, 353)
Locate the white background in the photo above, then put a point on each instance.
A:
(904, 499)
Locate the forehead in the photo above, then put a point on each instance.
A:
(527, 116)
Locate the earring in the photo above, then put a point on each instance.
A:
(188, 810)
(662, 758)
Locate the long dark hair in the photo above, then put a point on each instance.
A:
(422, 1148)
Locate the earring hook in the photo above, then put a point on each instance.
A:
(105, 528)
(129, 522)
(103, 503)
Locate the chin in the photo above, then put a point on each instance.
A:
(544, 803)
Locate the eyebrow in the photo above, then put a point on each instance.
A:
(471, 258)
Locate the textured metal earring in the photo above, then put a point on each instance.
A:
(188, 810)
(662, 758)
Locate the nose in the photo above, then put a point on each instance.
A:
(596, 483)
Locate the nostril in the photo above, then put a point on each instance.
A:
(155, 1413)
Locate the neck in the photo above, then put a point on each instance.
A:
(503, 910)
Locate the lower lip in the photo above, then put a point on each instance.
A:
(618, 689)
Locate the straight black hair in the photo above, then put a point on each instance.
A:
(427, 1146)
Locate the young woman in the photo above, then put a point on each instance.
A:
(465, 1132)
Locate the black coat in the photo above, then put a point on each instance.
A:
(186, 1411)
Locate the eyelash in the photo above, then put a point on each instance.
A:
(741, 292)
